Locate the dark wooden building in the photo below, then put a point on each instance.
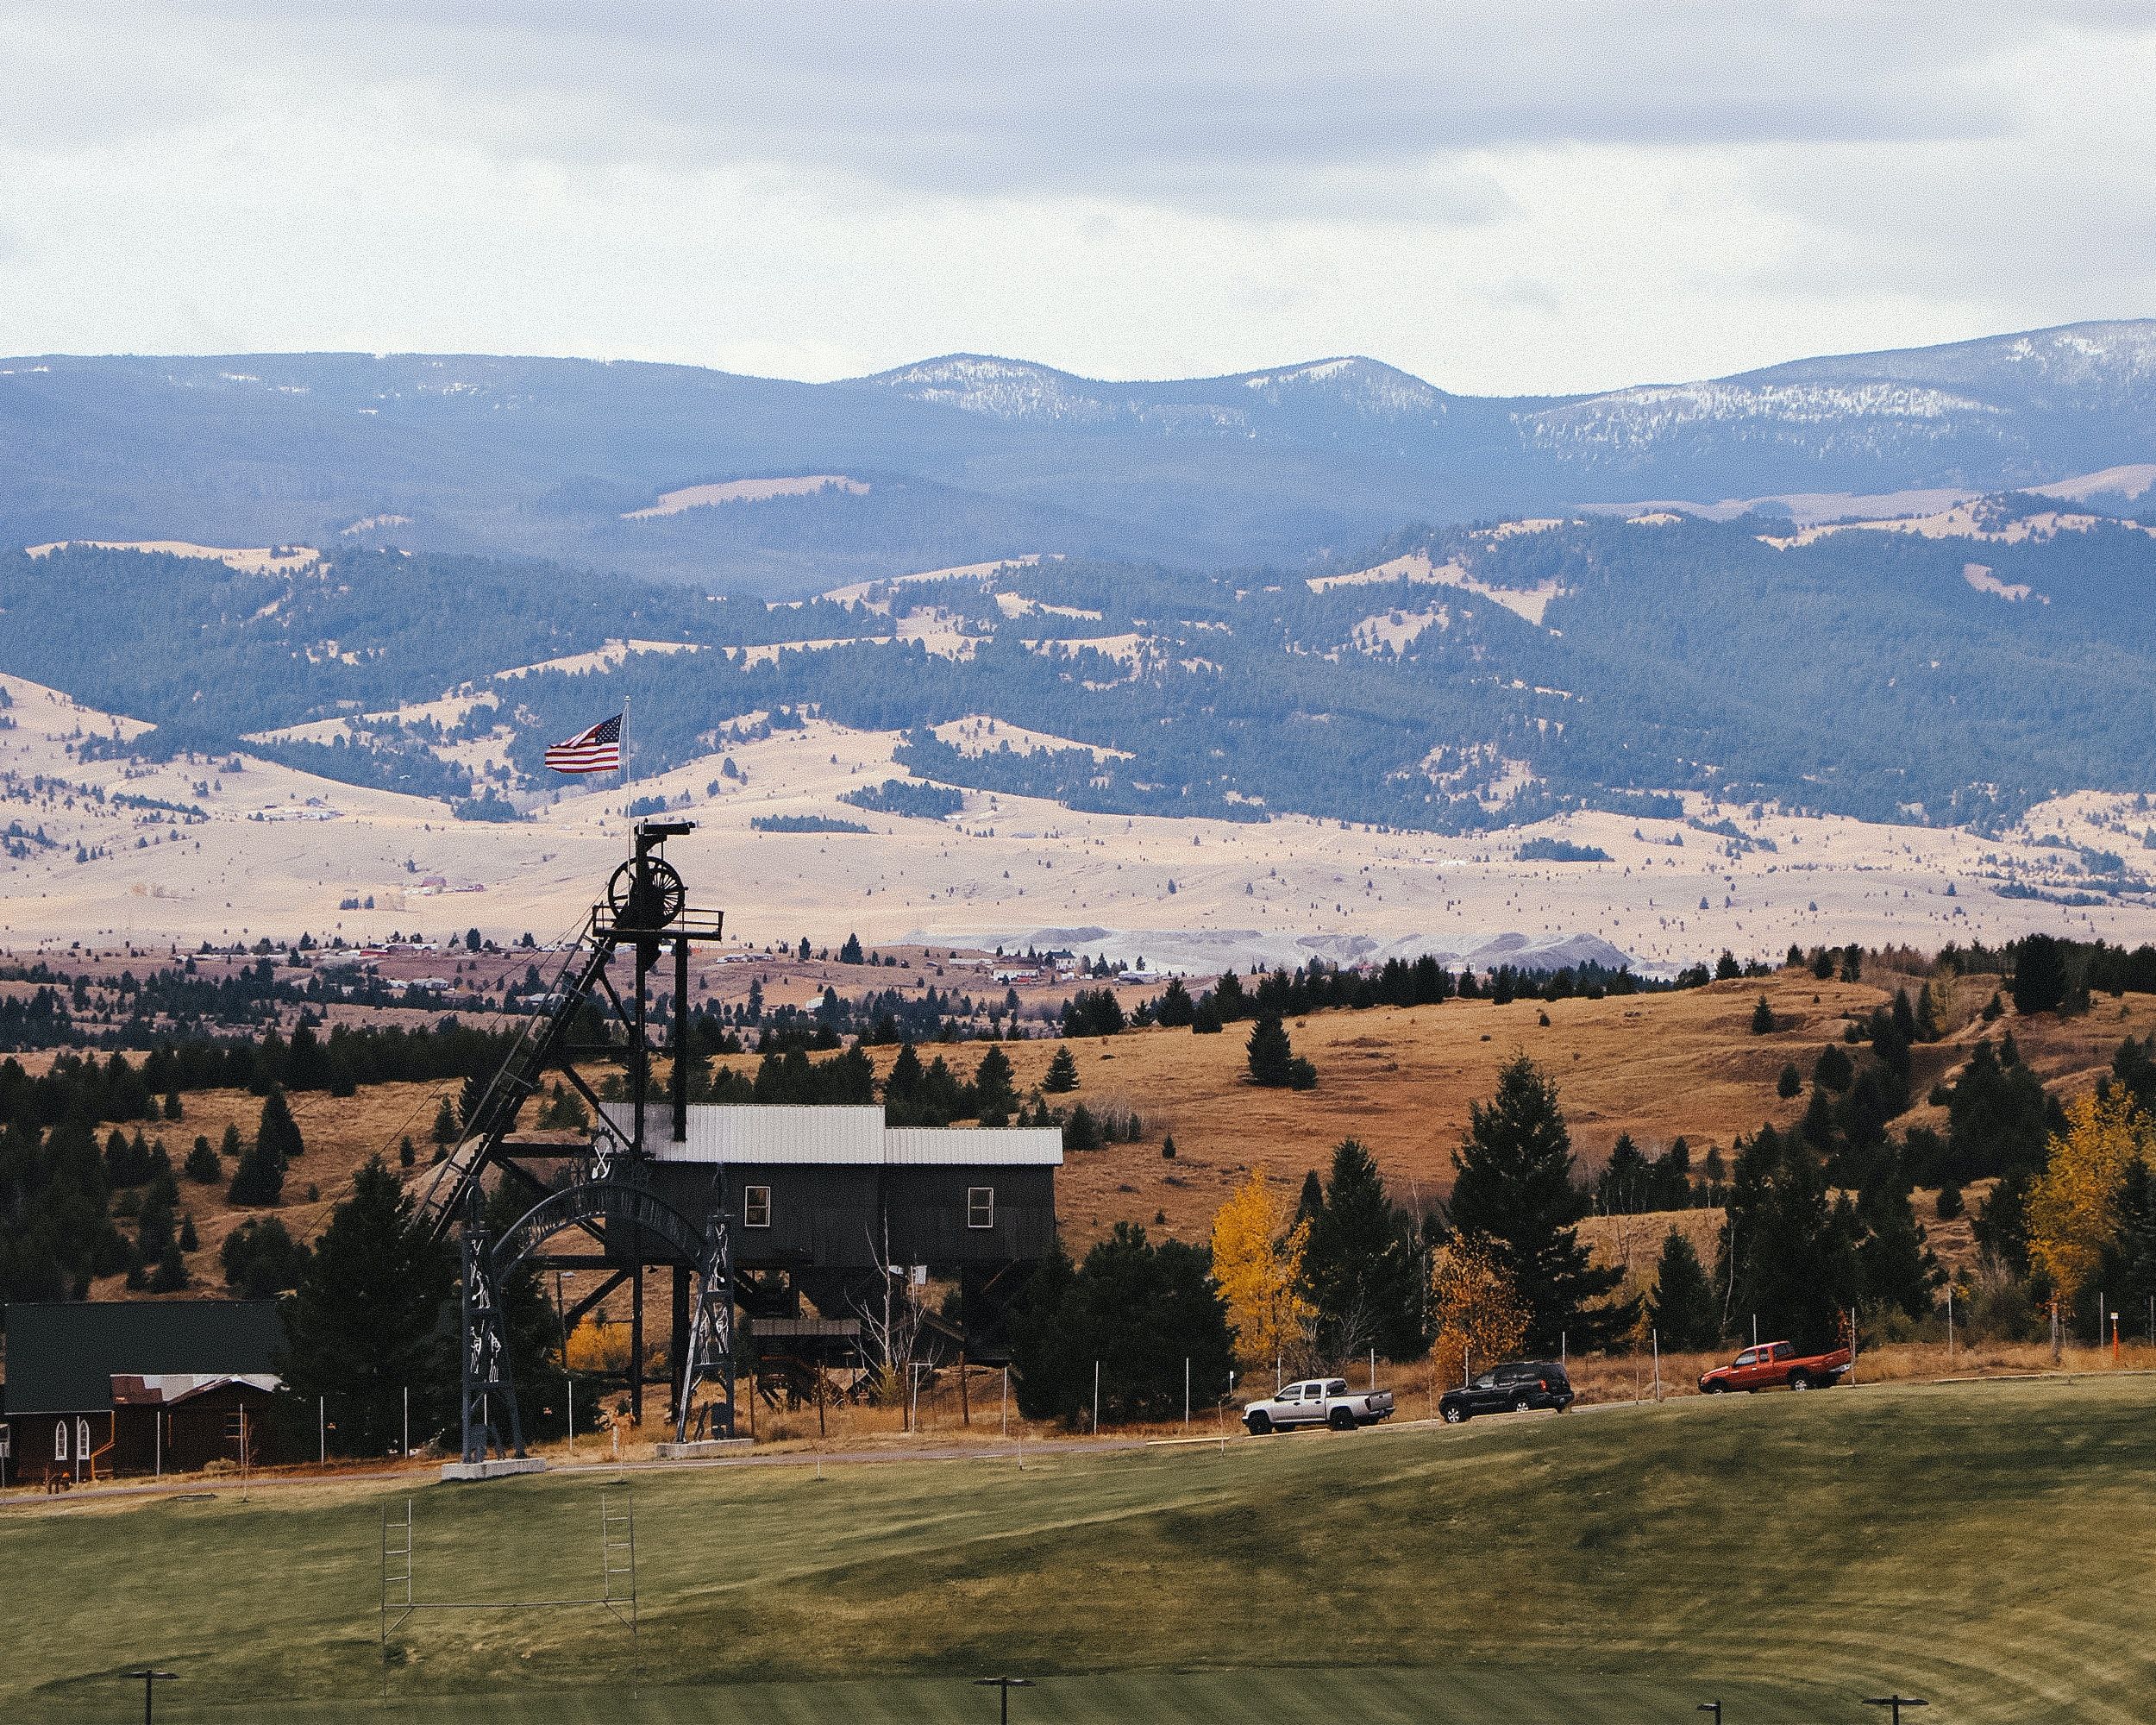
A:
(96, 1389)
(824, 1197)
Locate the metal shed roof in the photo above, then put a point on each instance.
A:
(973, 1146)
(63, 1356)
(839, 1135)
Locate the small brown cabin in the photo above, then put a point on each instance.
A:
(96, 1389)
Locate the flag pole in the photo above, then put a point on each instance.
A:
(624, 751)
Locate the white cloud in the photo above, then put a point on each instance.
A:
(1605, 194)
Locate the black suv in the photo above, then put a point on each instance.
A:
(1512, 1388)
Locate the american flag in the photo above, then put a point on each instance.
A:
(596, 750)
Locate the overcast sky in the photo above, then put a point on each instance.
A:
(1595, 196)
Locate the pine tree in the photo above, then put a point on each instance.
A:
(278, 1132)
(1787, 1256)
(170, 1275)
(259, 1181)
(996, 1095)
(1895, 1267)
(1174, 1009)
(1513, 1186)
(1790, 1082)
(1833, 1069)
(1273, 1062)
(1063, 1074)
(445, 1125)
(172, 1109)
(1082, 1131)
(2040, 975)
(1682, 1307)
(229, 1147)
(1364, 1266)
(365, 1323)
(1763, 1019)
(202, 1166)
(850, 953)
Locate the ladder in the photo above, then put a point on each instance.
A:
(396, 1572)
(617, 1556)
(443, 1201)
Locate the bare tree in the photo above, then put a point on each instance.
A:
(890, 1318)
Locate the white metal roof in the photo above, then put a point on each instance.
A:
(973, 1146)
(841, 1134)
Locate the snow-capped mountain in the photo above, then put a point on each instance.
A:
(974, 456)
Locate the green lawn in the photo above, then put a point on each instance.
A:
(1984, 1546)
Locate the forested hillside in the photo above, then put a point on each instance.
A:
(1448, 679)
(968, 458)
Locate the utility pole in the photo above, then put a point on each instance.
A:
(1007, 1684)
(1896, 1702)
(150, 1679)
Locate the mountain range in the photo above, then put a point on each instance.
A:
(750, 484)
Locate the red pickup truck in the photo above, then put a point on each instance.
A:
(1771, 1364)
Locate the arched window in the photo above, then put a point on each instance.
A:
(59, 1440)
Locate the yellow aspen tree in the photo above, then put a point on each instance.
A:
(2073, 1206)
(1477, 1312)
(1258, 1253)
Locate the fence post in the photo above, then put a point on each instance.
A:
(1096, 1398)
(1186, 1392)
(322, 1431)
(1654, 1338)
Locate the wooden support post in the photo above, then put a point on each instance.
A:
(636, 1346)
(679, 1352)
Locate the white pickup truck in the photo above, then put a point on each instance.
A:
(1319, 1402)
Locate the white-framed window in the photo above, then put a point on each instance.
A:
(981, 1207)
(59, 1440)
(756, 1206)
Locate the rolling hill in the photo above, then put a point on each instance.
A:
(1616, 1564)
(966, 457)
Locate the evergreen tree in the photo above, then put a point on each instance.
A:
(1049, 1377)
(367, 1322)
(1174, 1009)
(1622, 1188)
(1790, 1082)
(850, 953)
(1895, 1267)
(1514, 1187)
(1273, 1062)
(995, 1096)
(172, 1109)
(1787, 1256)
(1082, 1131)
(202, 1166)
(1230, 1001)
(1926, 1016)
(1063, 1074)
(259, 1182)
(229, 1147)
(260, 1259)
(1362, 1267)
(1833, 1069)
(170, 1275)
(1683, 1307)
(1763, 1019)
(2040, 975)
(1137, 1309)
(445, 1125)
(278, 1132)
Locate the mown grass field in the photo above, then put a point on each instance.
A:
(1984, 1546)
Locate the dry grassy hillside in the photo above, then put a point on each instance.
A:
(1400, 1079)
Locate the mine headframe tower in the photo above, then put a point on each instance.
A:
(599, 1195)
